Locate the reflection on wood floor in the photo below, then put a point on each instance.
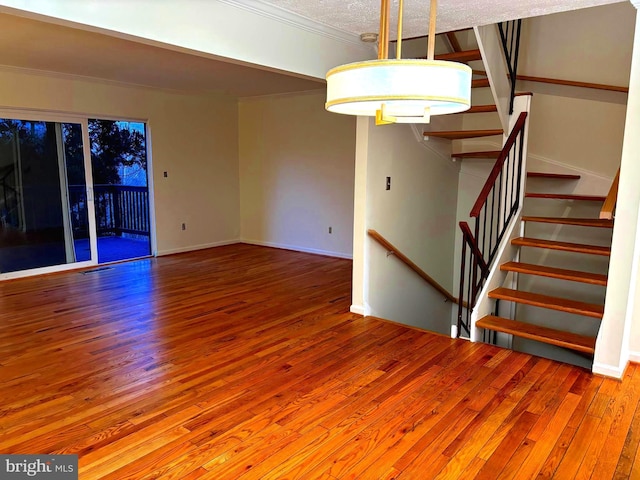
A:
(243, 362)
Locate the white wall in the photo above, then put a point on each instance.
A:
(417, 215)
(578, 127)
(297, 166)
(193, 139)
(588, 45)
(615, 337)
(580, 133)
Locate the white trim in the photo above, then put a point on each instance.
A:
(357, 309)
(431, 144)
(296, 248)
(46, 270)
(636, 3)
(151, 192)
(193, 248)
(301, 93)
(540, 158)
(36, 114)
(634, 357)
(481, 177)
(287, 17)
(608, 370)
(582, 171)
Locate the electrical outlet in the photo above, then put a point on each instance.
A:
(330, 230)
(184, 226)
(165, 175)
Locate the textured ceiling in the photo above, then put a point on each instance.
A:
(362, 16)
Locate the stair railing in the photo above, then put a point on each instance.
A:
(510, 36)
(492, 212)
(393, 250)
(609, 206)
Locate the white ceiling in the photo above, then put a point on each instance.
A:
(360, 16)
(35, 45)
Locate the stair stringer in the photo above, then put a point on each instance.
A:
(490, 46)
(506, 252)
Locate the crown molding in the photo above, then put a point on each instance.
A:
(293, 19)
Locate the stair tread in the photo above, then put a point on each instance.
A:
(547, 301)
(553, 272)
(558, 176)
(464, 56)
(460, 134)
(566, 196)
(480, 83)
(481, 109)
(560, 338)
(582, 222)
(564, 246)
(487, 154)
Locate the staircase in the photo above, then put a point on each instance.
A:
(544, 293)
(482, 100)
(581, 315)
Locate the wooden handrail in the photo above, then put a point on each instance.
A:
(497, 168)
(572, 83)
(609, 206)
(402, 257)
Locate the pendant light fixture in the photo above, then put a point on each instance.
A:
(400, 90)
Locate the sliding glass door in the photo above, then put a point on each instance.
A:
(47, 221)
(121, 189)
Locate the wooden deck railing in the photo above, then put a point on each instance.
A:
(119, 209)
(609, 207)
(403, 258)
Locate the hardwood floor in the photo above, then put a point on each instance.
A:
(243, 362)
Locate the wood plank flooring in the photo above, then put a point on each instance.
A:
(242, 362)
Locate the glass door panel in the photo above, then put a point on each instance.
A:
(43, 200)
(121, 190)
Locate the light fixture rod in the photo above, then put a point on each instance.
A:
(399, 39)
(432, 30)
(383, 47)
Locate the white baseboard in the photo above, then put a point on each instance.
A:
(296, 248)
(614, 371)
(193, 248)
(357, 309)
(634, 357)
